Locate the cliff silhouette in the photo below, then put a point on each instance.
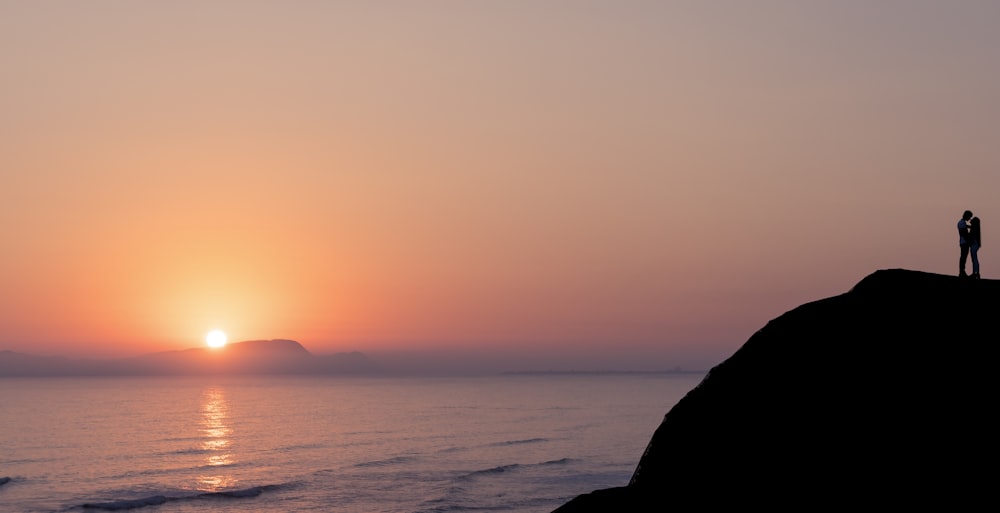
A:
(880, 397)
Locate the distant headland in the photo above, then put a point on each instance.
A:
(250, 357)
(879, 398)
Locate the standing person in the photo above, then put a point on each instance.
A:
(963, 241)
(975, 241)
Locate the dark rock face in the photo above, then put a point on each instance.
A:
(879, 397)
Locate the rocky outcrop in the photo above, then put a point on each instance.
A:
(879, 397)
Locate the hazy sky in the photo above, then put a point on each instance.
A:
(629, 184)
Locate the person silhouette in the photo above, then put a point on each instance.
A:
(975, 241)
(963, 241)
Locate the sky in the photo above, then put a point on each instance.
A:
(632, 185)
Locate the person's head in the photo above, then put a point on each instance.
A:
(967, 215)
(974, 221)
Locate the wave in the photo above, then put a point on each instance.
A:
(512, 468)
(389, 461)
(532, 503)
(495, 470)
(184, 439)
(449, 508)
(455, 448)
(300, 447)
(4, 480)
(238, 494)
(126, 504)
(192, 450)
(505, 443)
(227, 466)
(518, 442)
(455, 501)
(156, 500)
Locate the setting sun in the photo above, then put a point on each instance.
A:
(215, 338)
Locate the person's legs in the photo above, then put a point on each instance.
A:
(974, 250)
(962, 259)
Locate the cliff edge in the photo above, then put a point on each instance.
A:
(878, 397)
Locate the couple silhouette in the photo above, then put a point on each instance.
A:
(969, 241)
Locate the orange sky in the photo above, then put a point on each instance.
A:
(640, 183)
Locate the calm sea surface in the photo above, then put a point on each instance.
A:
(524, 443)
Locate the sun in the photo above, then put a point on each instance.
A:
(215, 338)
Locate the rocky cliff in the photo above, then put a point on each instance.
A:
(879, 397)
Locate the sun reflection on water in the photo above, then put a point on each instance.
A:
(216, 430)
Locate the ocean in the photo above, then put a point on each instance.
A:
(515, 442)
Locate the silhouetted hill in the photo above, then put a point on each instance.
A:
(250, 357)
(879, 398)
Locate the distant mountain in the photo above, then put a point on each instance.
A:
(250, 357)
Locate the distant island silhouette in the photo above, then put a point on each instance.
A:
(278, 357)
(878, 398)
(250, 357)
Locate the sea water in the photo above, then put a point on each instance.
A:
(524, 443)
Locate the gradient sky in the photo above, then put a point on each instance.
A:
(579, 184)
